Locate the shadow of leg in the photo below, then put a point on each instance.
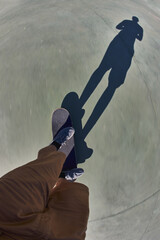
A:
(98, 110)
(116, 79)
(92, 84)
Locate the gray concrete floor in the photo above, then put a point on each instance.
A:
(49, 49)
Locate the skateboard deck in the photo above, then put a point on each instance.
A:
(72, 103)
(62, 119)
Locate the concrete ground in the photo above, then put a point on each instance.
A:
(89, 55)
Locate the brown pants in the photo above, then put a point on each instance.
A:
(36, 204)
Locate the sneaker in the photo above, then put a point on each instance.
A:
(73, 174)
(63, 136)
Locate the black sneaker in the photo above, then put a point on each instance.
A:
(73, 174)
(63, 136)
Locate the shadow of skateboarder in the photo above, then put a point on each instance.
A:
(117, 59)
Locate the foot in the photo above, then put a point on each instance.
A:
(63, 136)
(73, 174)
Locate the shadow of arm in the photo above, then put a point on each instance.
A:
(140, 34)
(121, 25)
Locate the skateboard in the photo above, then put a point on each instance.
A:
(61, 119)
(72, 103)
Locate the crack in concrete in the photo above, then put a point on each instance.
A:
(128, 209)
(135, 61)
(149, 223)
(149, 92)
(154, 111)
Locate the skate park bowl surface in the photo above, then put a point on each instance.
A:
(100, 60)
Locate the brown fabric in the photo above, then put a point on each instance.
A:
(36, 204)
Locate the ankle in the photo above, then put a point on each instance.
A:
(57, 145)
(62, 175)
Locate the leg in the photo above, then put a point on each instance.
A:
(67, 212)
(25, 192)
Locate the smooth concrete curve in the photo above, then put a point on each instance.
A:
(101, 56)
